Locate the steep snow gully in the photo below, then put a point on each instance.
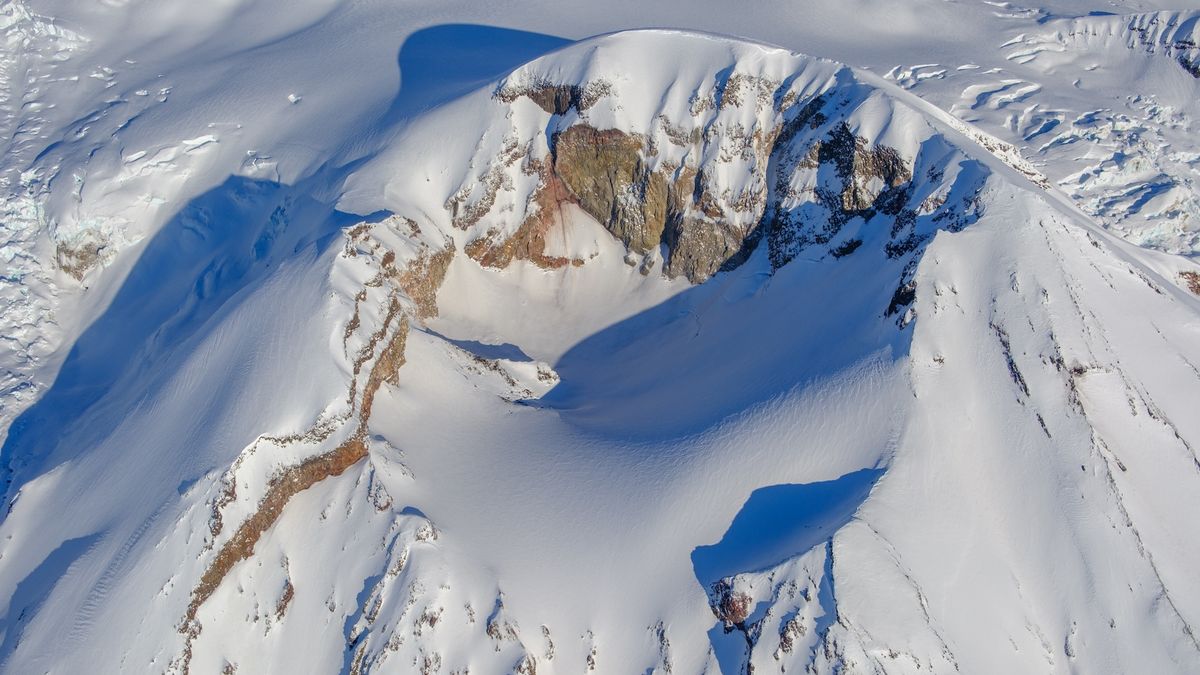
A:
(654, 352)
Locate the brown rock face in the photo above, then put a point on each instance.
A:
(280, 491)
(557, 99)
(78, 260)
(422, 278)
(604, 172)
(730, 606)
(1192, 279)
(810, 177)
(529, 241)
(295, 479)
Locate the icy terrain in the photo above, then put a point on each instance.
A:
(354, 337)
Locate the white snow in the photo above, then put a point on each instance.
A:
(1003, 479)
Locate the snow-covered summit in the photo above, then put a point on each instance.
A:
(664, 351)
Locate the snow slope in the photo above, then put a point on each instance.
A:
(398, 396)
(112, 110)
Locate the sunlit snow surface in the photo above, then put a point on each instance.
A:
(1004, 480)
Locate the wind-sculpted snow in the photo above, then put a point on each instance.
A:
(662, 352)
(1105, 104)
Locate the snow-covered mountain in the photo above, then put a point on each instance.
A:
(658, 351)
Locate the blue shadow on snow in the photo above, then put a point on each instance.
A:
(781, 521)
(443, 62)
(778, 522)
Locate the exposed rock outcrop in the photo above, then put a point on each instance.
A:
(556, 99)
(291, 481)
(384, 350)
(674, 206)
(804, 176)
(604, 172)
(78, 258)
(1192, 279)
(417, 276)
(859, 182)
(422, 278)
(529, 241)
